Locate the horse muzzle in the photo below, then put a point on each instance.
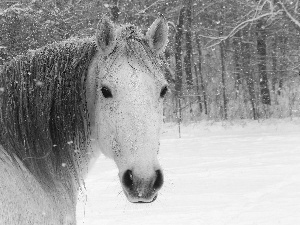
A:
(141, 189)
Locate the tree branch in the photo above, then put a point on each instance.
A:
(153, 4)
(289, 15)
(242, 25)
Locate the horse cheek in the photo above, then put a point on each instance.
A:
(106, 131)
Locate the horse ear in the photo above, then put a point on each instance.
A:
(157, 35)
(105, 36)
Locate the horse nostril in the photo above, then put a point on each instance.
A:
(128, 179)
(159, 180)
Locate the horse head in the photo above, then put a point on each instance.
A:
(126, 88)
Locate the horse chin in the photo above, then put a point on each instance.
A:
(136, 199)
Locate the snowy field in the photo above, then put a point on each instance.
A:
(217, 173)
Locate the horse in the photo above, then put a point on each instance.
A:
(64, 104)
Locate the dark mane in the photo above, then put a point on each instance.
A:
(43, 109)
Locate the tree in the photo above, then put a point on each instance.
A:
(246, 62)
(237, 61)
(178, 53)
(223, 73)
(200, 74)
(188, 41)
(262, 62)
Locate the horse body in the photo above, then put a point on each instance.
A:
(64, 104)
(24, 201)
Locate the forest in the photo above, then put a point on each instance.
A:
(226, 59)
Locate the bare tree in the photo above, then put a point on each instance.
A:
(178, 61)
(246, 59)
(201, 75)
(178, 52)
(262, 62)
(282, 39)
(223, 74)
(188, 39)
(274, 64)
(198, 89)
(237, 61)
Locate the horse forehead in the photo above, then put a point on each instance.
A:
(131, 71)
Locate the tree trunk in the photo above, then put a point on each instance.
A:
(169, 74)
(237, 62)
(283, 62)
(246, 60)
(274, 64)
(179, 116)
(222, 54)
(188, 39)
(201, 76)
(198, 89)
(262, 62)
(178, 62)
(223, 73)
(178, 53)
(274, 69)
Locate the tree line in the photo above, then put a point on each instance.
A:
(227, 59)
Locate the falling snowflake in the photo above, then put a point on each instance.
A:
(39, 83)
(70, 142)
(63, 164)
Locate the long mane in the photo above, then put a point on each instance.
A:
(43, 113)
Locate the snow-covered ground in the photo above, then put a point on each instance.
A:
(217, 173)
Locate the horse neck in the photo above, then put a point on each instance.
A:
(25, 198)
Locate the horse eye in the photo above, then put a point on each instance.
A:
(163, 91)
(106, 92)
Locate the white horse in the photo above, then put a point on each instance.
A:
(63, 104)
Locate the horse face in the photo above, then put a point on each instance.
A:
(129, 119)
(129, 114)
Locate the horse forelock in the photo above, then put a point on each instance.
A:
(133, 45)
(43, 115)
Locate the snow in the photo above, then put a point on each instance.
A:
(217, 173)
